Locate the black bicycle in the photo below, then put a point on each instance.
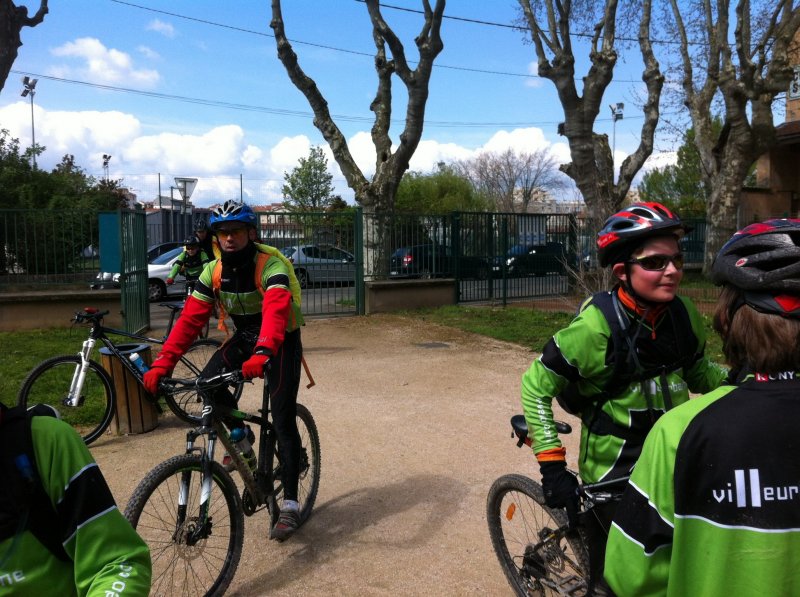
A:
(540, 550)
(188, 508)
(83, 392)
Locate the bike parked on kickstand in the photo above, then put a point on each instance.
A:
(540, 550)
(82, 390)
(188, 508)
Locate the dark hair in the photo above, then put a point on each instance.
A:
(766, 343)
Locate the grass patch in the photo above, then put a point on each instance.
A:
(22, 351)
(526, 326)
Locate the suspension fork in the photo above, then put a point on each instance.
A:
(76, 386)
(199, 527)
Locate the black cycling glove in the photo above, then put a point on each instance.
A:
(559, 485)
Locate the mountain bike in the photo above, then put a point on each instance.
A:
(83, 392)
(177, 306)
(188, 508)
(542, 551)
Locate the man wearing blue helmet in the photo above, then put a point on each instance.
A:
(254, 286)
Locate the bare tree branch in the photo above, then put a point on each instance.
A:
(12, 19)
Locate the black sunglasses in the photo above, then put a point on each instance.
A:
(658, 263)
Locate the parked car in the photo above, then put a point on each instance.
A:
(534, 260)
(158, 272)
(106, 280)
(316, 264)
(434, 261)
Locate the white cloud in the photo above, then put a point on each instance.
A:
(161, 27)
(148, 53)
(221, 158)
(102, 65)
(535, 81)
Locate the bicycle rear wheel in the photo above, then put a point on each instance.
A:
(49, 383)
(188, 560)
(310, 458)
(534, 560)
(185, 402)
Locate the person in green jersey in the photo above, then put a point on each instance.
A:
(190, 263)
(626, 379)
(713, 505)
(60, 530)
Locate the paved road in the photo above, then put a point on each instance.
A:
(413, 420)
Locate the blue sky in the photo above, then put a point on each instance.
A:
(483, 94)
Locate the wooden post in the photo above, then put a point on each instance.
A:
(134, 411)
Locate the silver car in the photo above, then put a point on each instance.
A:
(158, 272)
(321, 264)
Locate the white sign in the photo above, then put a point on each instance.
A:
(185, 186)
(794, 86)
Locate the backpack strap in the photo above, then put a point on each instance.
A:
(265, 252)
(23, 498)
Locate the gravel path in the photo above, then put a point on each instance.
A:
(413, 420)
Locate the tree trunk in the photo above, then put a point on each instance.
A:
(12, 20)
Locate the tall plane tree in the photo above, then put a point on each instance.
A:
(12, 19)
(377, 195)
(744, 76)
(553, 25)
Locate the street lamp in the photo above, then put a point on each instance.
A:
(106, 159)
(30, 89)
(616, 114)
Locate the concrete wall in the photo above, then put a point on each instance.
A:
(394, 295)
(54, 309)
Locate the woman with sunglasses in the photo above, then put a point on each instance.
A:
(628, 362)
(712, 505)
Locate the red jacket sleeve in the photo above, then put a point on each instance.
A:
(194, 316)
(274, 319)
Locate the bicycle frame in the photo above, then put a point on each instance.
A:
(99, 332)
(259, 486)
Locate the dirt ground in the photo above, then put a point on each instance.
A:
(414, 427)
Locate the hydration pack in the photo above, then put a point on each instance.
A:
(24, 503)
(624, 360)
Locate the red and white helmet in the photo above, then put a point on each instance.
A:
(624, 231)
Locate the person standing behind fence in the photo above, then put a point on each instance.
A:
(628, 356)
(190, 263)
(713, 506)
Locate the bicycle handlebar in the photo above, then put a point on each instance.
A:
(201, 383)
(89, 314)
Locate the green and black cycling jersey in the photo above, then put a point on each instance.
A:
(104, 555)
(190, 266)
(614, 428)
(713, 505)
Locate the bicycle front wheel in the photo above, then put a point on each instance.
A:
(190, 556)
(310, 457)
(185, 402)
(535, 560)
(50, 382)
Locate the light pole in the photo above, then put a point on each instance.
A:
(106, 159)
(30, 89)
(616, 114)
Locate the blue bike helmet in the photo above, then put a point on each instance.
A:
(233, 211)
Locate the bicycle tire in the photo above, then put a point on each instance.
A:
(184, 402)
(49, 382)
(310, 464)
(518, 519)
(208, 566)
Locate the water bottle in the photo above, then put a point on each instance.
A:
(240, 439)
(139, 363)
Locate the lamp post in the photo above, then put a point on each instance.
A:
(106, 159)
(616, 114)
(30, 89)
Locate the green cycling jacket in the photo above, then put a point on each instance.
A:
(580, 354)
